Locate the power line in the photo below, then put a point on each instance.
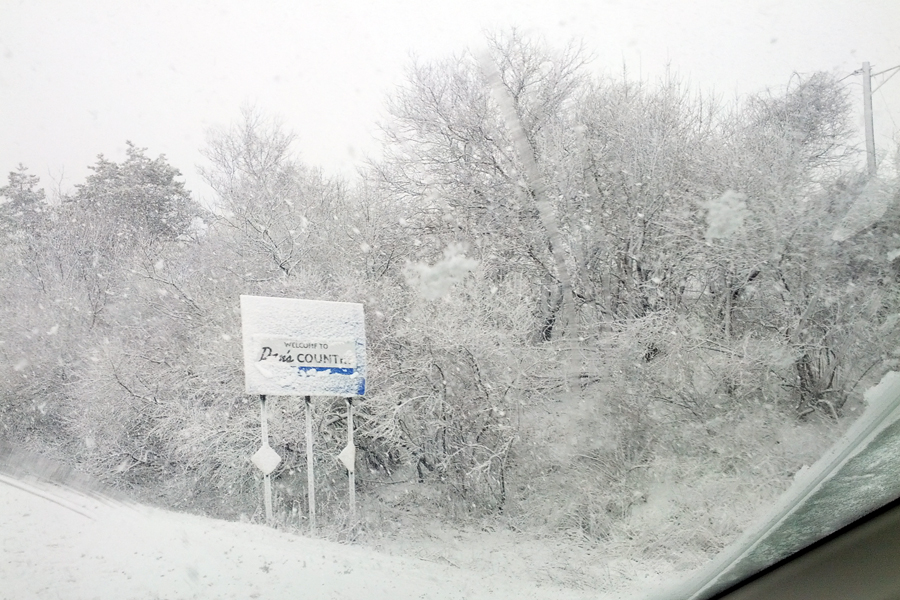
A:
(895, 71)
(858, 71)
(885, 71)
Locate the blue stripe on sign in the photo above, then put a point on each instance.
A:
(332, 370)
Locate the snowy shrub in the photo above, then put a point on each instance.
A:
(450, 378)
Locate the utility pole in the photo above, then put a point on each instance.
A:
(867, 117)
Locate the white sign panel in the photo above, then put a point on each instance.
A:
(303, 347)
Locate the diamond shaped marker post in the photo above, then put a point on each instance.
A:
(348, 457)
(266, 459)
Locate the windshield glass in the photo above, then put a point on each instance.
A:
(581, 298)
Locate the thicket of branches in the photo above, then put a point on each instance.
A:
(696, 241)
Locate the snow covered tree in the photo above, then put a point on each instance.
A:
(24, 205)
(282, 212)
(138, 201)
(449, 156)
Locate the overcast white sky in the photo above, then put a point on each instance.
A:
(79, 78)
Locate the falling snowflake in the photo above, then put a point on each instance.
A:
(868, 208)
(725, 215)
(435, 281)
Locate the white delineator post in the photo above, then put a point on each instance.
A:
(266, 459)
(310, 475)
(348, 457)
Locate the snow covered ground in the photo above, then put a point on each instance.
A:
(59, 543)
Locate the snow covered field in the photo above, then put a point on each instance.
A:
(58, 543)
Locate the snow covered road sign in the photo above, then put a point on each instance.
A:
(303, 347)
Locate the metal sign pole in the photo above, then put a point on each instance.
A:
(267, 480)
(352, 471)
(311, 481)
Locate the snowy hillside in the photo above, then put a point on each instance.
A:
(58, 543)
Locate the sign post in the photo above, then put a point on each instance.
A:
(266, 459)
(310, 477)
(348, 457)
(352, 446)
(303, 348)
(267, 480)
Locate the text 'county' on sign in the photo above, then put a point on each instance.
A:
(332, 356)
